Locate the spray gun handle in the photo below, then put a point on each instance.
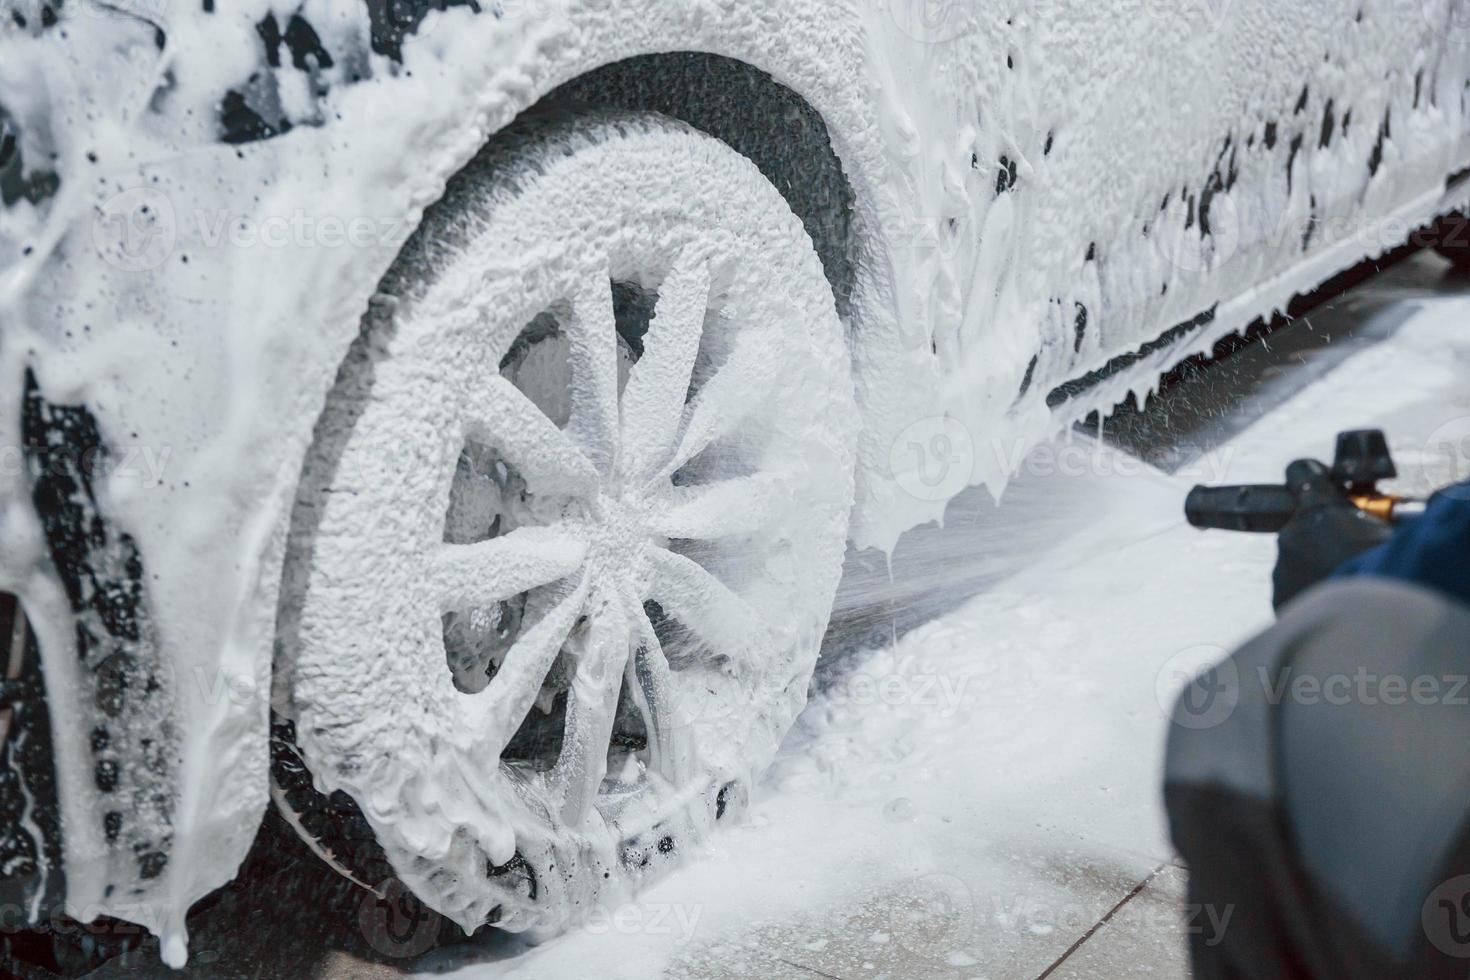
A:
(1263, 509)
(1361, 460)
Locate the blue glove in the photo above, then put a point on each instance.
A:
(1432, 550)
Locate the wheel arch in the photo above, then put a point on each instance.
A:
(837, 176)
(770, 124)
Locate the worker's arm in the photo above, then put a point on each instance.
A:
(1330, 538)
(1432, 550)
(1328, 813)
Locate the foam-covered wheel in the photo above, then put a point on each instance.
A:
(568, 537)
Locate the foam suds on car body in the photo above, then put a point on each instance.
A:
(221, 351)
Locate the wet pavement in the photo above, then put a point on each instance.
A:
(998, 816)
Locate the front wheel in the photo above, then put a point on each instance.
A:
(568, 537)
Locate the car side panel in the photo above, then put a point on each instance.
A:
(1083, 177)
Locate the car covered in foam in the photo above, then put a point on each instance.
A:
(599, 329)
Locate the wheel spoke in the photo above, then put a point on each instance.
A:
(724, 401)
(594, 360)
(705, 605)
(653, 401)
(655, 695)
(725, 509)
(545, 457)
(477, 575)
(592, 704)
(516, 685)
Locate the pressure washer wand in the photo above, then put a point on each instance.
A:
(1361, 460)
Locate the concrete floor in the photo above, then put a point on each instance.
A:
(1022, 837)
